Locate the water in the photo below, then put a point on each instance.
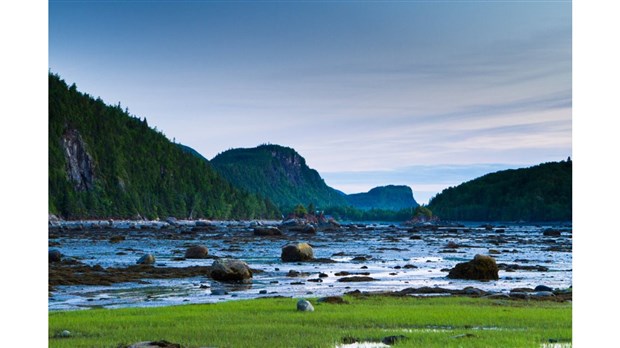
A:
(388, 248)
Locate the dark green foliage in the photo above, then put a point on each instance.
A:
(137, 169)
(348, 213)
(391, 197)
(278, 173)
(423, 211)
(539, 193)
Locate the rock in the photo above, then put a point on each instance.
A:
(297, 252)
(520, 295)
(323, 275)
(197, 252)
(552, 233)
(147, 259)
(203, 223)
(293, 274)
(116, 239)
(409, 266)
(231, 270)
(80, 164)
(64, 333)
(473, 291)
(304, 306)
(219, 292)
(498, 295)
(356, 279)
(155, 344)
(332, 300)
(262, 292)
(267, 231)
(391, 340)
(309, 229)
(482, 267)
(55, 256)
(543, 294)
(543, 288)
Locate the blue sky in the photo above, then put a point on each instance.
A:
(426, 94)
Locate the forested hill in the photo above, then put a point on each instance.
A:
(391, 197)
(539, 193)
(278, 173)
(105, 163)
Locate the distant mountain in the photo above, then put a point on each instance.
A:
(192, 152)
(278, 173)
(391, 197)
(538, 193)
(105, 163)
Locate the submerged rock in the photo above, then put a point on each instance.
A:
(147, 259)
(356, 279)
(197, 252)
(482, 267)
(231, 270)
(55, 256)
(543, 288)
(267, 231)
(155, 344)
(297, 252)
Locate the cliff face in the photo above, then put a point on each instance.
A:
(80, 165)
(278, 173)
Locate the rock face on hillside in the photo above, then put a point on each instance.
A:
(482, 267)
(278, 173)
(80, 165)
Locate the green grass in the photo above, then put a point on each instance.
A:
(427, 322)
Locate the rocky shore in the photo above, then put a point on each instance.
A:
(294, 257)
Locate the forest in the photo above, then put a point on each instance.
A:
(128, 169)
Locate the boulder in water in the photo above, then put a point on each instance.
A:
(482, 267)
(147, 259)
(231, 270)
(297, 252)
(197, 252)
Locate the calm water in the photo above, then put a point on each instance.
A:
(385, 246)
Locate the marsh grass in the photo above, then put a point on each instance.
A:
(426, 322)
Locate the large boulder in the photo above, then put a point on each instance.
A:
(297, 252)
(197, 252)
(231, 270)
(482, 267)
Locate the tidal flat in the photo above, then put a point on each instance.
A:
(99, 261)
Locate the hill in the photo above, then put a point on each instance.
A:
(391, 197)
(279, 173)
(538, 193)
(104, 163)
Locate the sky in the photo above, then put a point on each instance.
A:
(370, 93)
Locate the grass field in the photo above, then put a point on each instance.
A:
(426, 322)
